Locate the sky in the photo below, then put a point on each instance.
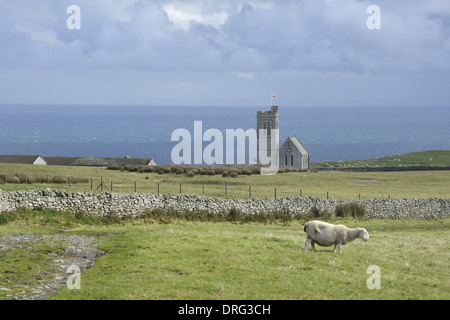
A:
(225, 53)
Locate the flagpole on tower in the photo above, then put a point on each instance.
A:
(271, 99)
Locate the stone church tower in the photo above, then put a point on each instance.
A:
(292, 153)
(267, 121)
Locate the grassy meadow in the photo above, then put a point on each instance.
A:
(153, 258)
(338, 184)
(160, 256)
(423, 158)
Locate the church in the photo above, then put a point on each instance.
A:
(292, 152)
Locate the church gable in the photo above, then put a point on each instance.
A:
(299, 145)
(294, 154)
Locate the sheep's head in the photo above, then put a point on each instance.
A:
(363, 234)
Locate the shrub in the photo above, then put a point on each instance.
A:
(3, 218)
(33, 179)
(59, 179)
(317, 213)
(112, 167)
(12, 179)
(219, 169)
(190, 173)
(233, 174)
(234, 215)
(75, 180)
(225, 174)
(255, 169)
(352, 209)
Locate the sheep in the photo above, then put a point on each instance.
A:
(326, 234)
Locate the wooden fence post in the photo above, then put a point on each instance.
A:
(250, 191)
(70, 181)
(135, 187)
(275, 193)
(158, 187)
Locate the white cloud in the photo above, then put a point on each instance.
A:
(184, 14)
(45, 36)
(246, 75)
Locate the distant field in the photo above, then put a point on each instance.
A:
(318, 183)
(425, 158)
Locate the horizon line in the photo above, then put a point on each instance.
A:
(402, 105)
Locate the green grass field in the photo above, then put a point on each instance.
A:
(339, 185)
(423, 158)
(167, 258)
(177, 259)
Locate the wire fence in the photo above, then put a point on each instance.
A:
(206, 188)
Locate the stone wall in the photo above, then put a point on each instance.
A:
(134, 204)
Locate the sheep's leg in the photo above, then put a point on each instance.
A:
(313, 245)
(307, 243)
(334, 249)
(340, 248)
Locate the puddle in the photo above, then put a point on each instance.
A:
(62, 252)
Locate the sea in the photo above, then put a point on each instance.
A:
(329, 133)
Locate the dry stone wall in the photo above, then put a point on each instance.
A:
(135, 204)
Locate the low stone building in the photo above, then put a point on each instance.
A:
(30, 159)
(76, 161)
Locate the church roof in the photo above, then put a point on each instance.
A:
(28, 159)
(298, 144)
(103, 162)
(73, 161)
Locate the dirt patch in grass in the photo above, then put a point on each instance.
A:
(34, 267)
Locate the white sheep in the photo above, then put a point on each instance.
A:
(327, 234)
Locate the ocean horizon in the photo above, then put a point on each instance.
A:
(329, 133)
